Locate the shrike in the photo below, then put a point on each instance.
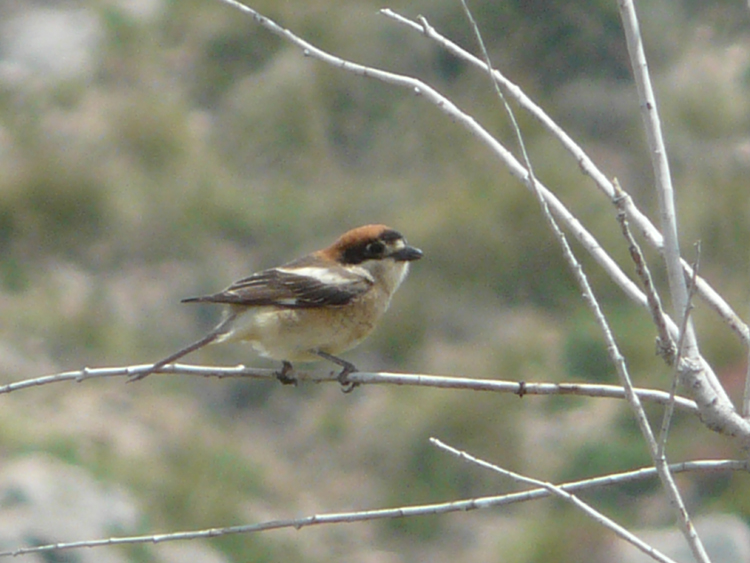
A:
(317, 306)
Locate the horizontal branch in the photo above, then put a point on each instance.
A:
(717, 411)
(706, 466)
(519, 388)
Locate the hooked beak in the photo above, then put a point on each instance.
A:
(407, 254)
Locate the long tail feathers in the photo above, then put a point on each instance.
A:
(208, 339)
(176, 356)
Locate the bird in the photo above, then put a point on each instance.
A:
(312, 308)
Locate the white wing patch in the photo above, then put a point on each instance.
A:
(328, 276)
(287, 302)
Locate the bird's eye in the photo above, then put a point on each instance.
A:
(375, 248)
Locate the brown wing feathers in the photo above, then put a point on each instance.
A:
(287, 290)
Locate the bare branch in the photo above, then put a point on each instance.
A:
(565, 495)
(717, 410)
(520, 388)
(659, 461)
(665, 346)
(667, 480)
(644, 225)
(677, 285)
(707, 466)
(659, 161)
(669, 411)
(446, 106)
(78, 376)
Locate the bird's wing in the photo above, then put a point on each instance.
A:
(295, 285)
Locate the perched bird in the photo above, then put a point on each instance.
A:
(317, 306)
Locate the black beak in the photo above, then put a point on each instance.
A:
(407, 254)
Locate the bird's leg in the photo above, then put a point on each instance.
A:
(343, 377)
(283, 375)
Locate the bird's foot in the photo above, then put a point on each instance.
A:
(343, 377)
(284, 375)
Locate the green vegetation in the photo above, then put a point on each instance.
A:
(198, 148)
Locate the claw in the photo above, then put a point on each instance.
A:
(343, 377)
(284, 376)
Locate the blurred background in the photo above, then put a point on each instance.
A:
(152, 150)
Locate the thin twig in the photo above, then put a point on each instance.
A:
(669, 411)
(665, 346)
(588, 167)
(520, 388)
(558, 491)
(499, 93)
(659, 161)
(675, 274)
(717, 411)
(670, 487)
(708, 466)
(445, 105)
(719, 420)
(78, 376)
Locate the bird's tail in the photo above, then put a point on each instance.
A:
(208, 339)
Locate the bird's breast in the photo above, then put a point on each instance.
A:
(290, 334)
